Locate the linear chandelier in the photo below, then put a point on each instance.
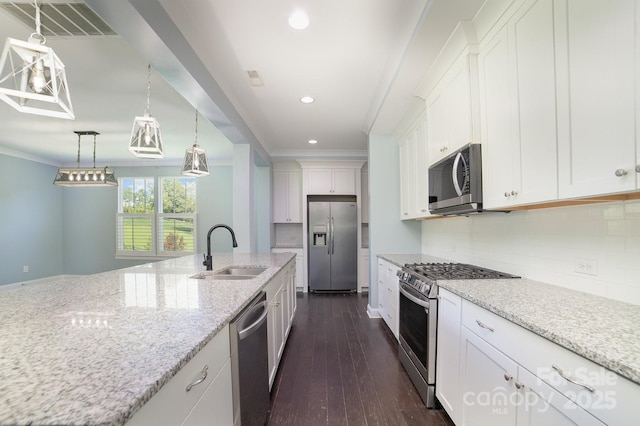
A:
(195, 159)
(85, 176)
(33, 78)
(146, 141)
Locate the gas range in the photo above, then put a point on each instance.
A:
(423, 277)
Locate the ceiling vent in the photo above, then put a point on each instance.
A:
(254, 78)
(61, 19)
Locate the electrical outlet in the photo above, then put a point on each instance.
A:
(587, 266)
(25, 268)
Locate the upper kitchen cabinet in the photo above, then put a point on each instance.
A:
(450, 91)
(597, 50)
(414, 188)
(332, 181)
(339, 177)
(518, 107)
(287, 197)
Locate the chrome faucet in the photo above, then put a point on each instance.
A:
(208, 260)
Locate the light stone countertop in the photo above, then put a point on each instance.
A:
(93, 349)
(602, 330)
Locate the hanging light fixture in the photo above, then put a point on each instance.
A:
(195, 159)
(33, 78)
(83, 176)
(146, 141)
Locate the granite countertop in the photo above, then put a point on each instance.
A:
(602, 330)
(93, 349)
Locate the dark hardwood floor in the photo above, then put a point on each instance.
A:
(340, 367)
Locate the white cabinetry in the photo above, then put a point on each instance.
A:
(282, 306)
(209, 399)
(388, 295)
(414, 187)
(518, 109)
(364, 196)
(448, 354)
(451, 109)
(287, 196)
(597, 48)
(298, 267)
(511, 376)
(332, 181)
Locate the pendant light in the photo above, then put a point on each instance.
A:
(195, 159)
(33, 78)
(91, 176)
(146, 141)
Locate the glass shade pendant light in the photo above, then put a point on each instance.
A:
(146, 141)
(85, 176)
(33, 78)
(195, 159)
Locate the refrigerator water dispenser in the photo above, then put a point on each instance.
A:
(319, 235)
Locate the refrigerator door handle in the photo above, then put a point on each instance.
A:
(329, 236)
(332, 238)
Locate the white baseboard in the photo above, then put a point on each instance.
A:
(373, 312)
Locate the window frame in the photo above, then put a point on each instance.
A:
(157, 251)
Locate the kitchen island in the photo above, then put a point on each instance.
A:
(94, 349)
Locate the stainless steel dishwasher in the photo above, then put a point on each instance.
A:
(250, 364)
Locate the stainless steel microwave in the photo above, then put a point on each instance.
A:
(455, 183)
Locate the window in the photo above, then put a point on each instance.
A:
(156, 223)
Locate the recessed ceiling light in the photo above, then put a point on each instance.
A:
(313, 141)
(298, 20)
(306, 99)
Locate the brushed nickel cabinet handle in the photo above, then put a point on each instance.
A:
(483, 325)
(200, 380)
(621, 172)
(570, 380)
(508, 377)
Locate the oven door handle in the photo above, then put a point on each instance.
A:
(405, 293)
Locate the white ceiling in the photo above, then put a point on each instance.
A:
(360, 60)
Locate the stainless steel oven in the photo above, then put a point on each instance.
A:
(419, 318)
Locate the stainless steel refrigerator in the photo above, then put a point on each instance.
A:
(333, 243)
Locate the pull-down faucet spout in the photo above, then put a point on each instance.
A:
(208, 260)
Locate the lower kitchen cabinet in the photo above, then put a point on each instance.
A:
(388, 295)
(209, 401)
(492, 371)
(281, 299)
(448, 354)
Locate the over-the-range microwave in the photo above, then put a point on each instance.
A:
(455, 182)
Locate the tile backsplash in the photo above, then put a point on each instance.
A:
(591, 248)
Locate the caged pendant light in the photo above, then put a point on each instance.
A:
(195, 159)
(33, 78)
(146, 141)
(85, 176)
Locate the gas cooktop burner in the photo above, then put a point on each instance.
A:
(454, 271)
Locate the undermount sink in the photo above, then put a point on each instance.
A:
(231, 273)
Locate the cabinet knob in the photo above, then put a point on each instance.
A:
(507, 195)
(621, 172)
(638, 168)
(514, 193)
(519, 385)
(508, 377)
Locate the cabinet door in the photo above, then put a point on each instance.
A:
(486, 384)
(448, 356)
(534, 148)
(422, 171)
(541, 405)
(437, 133)
(343, 181)
(495, 112)
(364, 196)
(382, 289)
(294, 193)
(458, 103)
(319, 181)
(405, 195)
(280, 197)
(597, 92)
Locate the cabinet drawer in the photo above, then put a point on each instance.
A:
(501, 333)
(173, 403)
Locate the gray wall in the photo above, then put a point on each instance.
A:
(56, 230)
(387, 233)
(31, 221)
